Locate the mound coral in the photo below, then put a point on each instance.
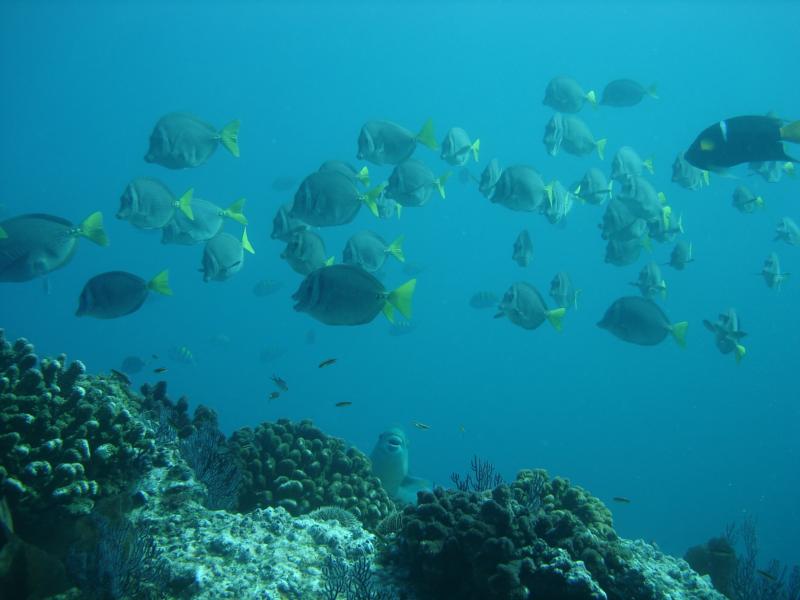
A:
(536, 538)
(298, 467)
(66, 438)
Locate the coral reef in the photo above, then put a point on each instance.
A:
(297, 467)
(536, 538)
(66, 438)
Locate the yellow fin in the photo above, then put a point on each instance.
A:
(246, 242)
(760, 202)
(371, 198)
(647, 244)
(706, 178)
(647, 163)
(678, 331)
(3, 234)
(601, 148)
(591, 97)
(401, 297)
(426, 135)
(548, 189)
(666, 213)
(229, 136)
(577, 190)
(92, 228)
(788, 168)
(706, 145)
(680, 223)
(331, 261)
(236, 212)
(740, 352)
(791, 132)
(439, 183)
(662, 197)
(363, 176)
(652, 91)
(399, 209)
(185, 204)
(160, 283)
(575, 299)
(476, 146)
(555, 317)
(388, 312)
(396, 248)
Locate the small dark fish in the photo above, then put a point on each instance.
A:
(274, 395)
(341, 404)
(422, 426)
(284, 183)
(121, 376)
(160, 370)
(280, 383)
(621, 499)
(327, 362)
(767, 575)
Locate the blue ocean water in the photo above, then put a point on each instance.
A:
(694, 440)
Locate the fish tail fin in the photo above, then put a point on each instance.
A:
(363, 176)
(427, 136)
(441, 181)
(555, 317)
(678, 331)
(662, 197)
(401, 297)
(652, 91)
(236, 212)
(185, 204)
(575, 299)
(6, 522)
(791, 132)
(371, 198)
(706, 178)
(548, 189)
(396, 248)
(331, 261)
(229, 136)
(92, 228)
(591, 97)
(648, 164)
(475, 147)
(577, 190)
(388, 312)
(246, 242)
(740, 352)
(601, 148)
(788, 168)
(3, 234)
(160, 284)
